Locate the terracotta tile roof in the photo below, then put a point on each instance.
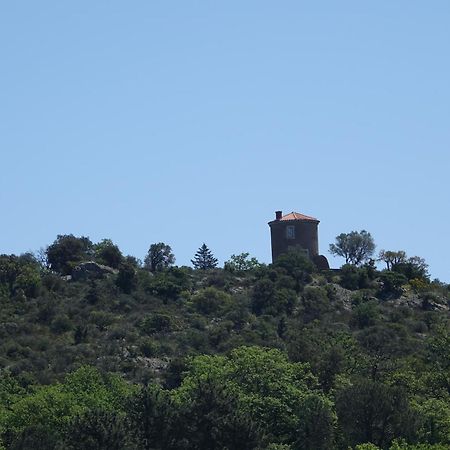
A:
(297, 216)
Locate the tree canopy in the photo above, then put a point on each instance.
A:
(67, 251)
(356, 247)
(159, 257)
(204, 259)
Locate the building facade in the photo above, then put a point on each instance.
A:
(296, 232)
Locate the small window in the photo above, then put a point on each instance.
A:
(290, 232)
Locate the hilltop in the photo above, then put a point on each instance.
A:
(346, 339)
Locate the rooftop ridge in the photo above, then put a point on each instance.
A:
(297, 216)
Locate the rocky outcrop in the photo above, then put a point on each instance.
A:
(91, 270)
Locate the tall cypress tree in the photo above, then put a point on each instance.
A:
(204, 259)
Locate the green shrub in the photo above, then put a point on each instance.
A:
(211, 301)
(365, 314)
(352, 277)
(61, 324)
(149, 348)
(391, 284)
(156, 323)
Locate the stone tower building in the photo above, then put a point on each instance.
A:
(295, 231)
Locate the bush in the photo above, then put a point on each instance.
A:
(101, 319)
(149, 348)
(352, 277)
(392, 283)
(293, 262)
(156, 323)
(365, 314)
(126, 278)
(211, 301)
(262, 295)
(315, 302)
(61, 324)
(169, 284)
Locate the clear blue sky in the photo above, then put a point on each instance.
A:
(193, 121)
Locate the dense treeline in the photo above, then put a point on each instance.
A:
(100, 351)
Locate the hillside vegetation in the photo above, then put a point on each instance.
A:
(100, 351)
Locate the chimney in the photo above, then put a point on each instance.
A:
(278, 215)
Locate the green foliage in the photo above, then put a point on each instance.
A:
(97, 430)
(266, 299)
(211, 300)
(414, 267)
(156, 323)
(316, 423)
(315, 302)
(20, 274)
(392, 283)
(402, 445)
(392, 258)
(67, 251)
(52, 407)
(159, 257)
(10, 393)
(213, 419)
(150, 413)
(434, 420)
(354, 278)
(370, 411)
(60, 324)
(170, 283)
(126, 278)
(107, 253)
(270, 389)
(296, 264)
(9, 270)
(365, 314)
(439, 348)
(356, 247)
(204, 259)
(363, 360)
(241, 263)
(263, 295)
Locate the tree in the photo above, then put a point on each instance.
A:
(106, 252)
(241, 263)
(413, 267)
(204, 259)
(97, 430)
(50, 409)
(271, 391)
(150, 416)
(20, 273)
(159, 257)
(316, 423)
(126, 278)
(392, 258)
(213, 419)
(370, 411)
(67, 251)
(356, 247)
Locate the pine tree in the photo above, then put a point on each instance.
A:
(204, 259)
